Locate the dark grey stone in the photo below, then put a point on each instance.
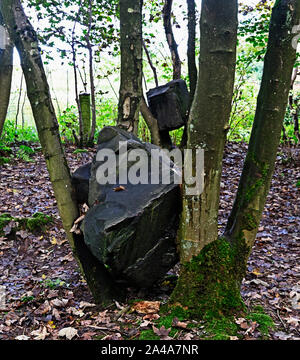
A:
(132, 231)
(170, 104)
(80, 182)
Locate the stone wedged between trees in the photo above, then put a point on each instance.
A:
(132, 231)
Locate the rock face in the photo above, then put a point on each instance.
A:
(80, 182)
(169, 104)
(131, 228)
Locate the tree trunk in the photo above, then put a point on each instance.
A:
(151, 122)
(85, 105)
(191, 51)
(293, 103)
(209, 119)
(91, 72)
(210, 282)
(131, 64)
(203, 257)
(167, 15)
(6, 69)
(25, 40)
(271, 106)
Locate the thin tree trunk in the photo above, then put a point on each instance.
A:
(85, 105)
(91, 71)
(93, 98)
(191, 51)
(19, 103)
(294, 107)
(100, 283)
(6, 69)
(22, 109)
(167, 15)
(131, 64)
(153, 68)
(151, 122)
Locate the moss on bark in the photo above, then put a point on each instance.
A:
(210, 283)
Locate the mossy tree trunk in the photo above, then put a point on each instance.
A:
(208, 121)
(6, 69)
(210, 282)
(25, 40)
(131, 64)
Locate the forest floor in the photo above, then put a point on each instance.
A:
(46, 297)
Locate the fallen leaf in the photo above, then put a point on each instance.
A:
(84, 304)
(68, 332)
(119, 188)
(163, 333)
(40, 334)
(22, 337)
(146, 307)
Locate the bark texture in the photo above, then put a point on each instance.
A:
(191, 51)
(6, 69)
(167, 17)
(209, 284)
(208, 121)
(151, 122)
(25, 40)
(271, 106)
(131, 64)
(85, 105)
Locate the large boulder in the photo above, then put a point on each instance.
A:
(129, 228)
(170, 104)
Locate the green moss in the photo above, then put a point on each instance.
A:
(219, 328)
(148, 335)
(261, 175)
(265, 321)
(38, 221)
(251, 222)
(209, 285)
(34, 223)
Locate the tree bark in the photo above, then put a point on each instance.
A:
(151, 122)
(210, 282)
(209, 119)
(206, 280)
(131, 64)
(167, 12)
(85, 105)
(6, 70)
(294, 106)
(271, 106)
(25, 40)
(91, 73)
(191, 51)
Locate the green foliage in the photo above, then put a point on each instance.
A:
(25, 152)
(53, 284)
(67, 123)
(11, 134)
